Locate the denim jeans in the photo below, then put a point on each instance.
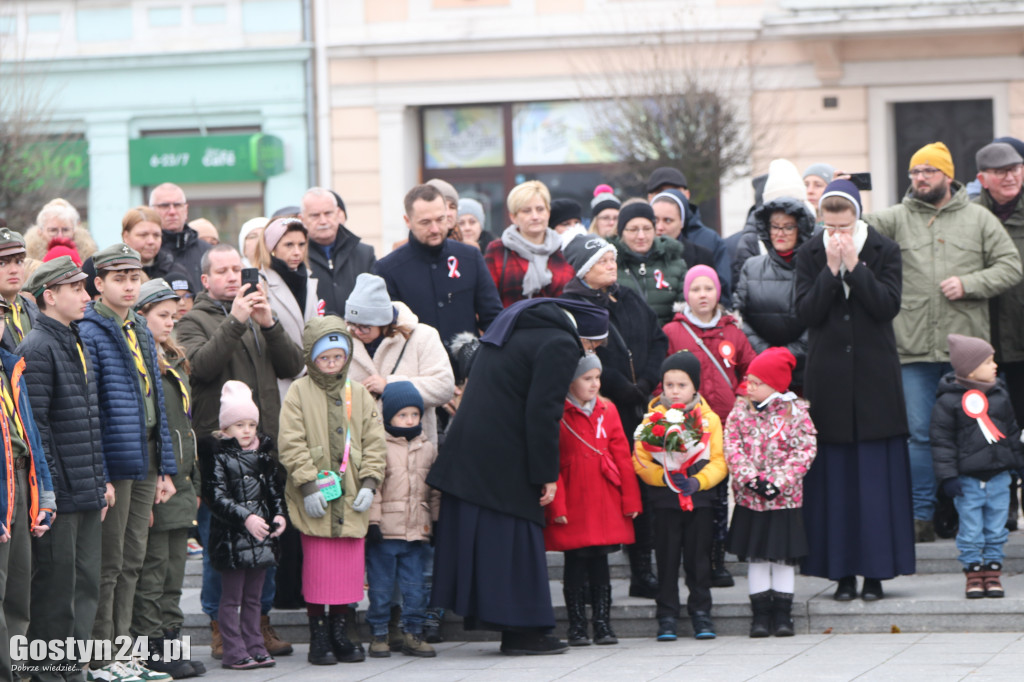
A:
(920, 381)
(209, 596)
(388, 562)
(983, 509)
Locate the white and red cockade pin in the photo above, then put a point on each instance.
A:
(728, 352)
(321, 307)
(975, 405)
(659, 280)
(453, 267)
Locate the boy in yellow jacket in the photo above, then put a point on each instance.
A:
(681, 496)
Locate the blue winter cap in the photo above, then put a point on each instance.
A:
(844, 189)
(330, 342)
(397, 396)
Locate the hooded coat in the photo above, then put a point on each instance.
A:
(219, 348)
(314, 426)
(959, 447)
(414, 354)
(959, 239)
(766, 290)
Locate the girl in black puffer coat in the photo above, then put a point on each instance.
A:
(240, 485)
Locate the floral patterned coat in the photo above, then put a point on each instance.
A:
(777, 444)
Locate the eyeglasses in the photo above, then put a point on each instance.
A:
(634, 230)
(167, 205)
(328, 359)
(1000, 173)
(783, 228)
(608, 218)
(360, 328)
(926, 172)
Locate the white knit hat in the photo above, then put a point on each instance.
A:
(784, 180)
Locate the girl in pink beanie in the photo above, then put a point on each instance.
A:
(247, 504)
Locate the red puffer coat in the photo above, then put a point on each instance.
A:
(596, 507)
(720, 394)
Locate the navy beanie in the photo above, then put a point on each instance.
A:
(397, 396)
(685, 361)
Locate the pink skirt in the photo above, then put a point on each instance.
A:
(332, 570)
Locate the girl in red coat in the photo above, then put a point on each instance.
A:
(595, 501)
(704, 329)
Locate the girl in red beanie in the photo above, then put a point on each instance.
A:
(769, 446)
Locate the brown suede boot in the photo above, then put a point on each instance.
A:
(274, 644)
(975, 588)
(216, 643)
(990, 574)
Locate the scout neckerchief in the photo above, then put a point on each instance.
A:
(19, 331)
(186, 403)
(133, 346)
(81, 356)
(9, 412)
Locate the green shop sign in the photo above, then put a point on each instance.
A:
(212, 158)
(57, 163)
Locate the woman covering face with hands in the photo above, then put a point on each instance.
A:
(857, 503)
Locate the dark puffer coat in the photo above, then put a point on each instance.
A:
(186, 250)
(958, 445)
(336, 275)
(66, 409)
(237, 483)
(766, 290)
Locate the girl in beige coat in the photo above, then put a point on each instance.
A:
(332, 446)
(392, 345)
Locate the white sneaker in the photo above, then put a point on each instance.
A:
(138, 669)
(115, 672)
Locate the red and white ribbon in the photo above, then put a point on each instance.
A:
(727, 351)
(778, 423)
(975, 405)
(659, 280)
(321, 307)
(453, 267)
(599, 432)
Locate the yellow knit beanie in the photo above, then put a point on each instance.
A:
(935, 154)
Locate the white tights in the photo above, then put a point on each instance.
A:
(765, 575)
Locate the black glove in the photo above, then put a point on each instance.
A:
(952, 487)
(373, 535)
(765, 489)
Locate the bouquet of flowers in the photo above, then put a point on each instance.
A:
(675, 439)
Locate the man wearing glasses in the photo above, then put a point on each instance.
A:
(1001, 174)
(956, 256)
(179, 240)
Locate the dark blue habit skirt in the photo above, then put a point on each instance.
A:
(858, 511)
(490, 568)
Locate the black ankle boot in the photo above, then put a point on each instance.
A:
(601, 603)
(320, 652)
(782, 614)
(720, 576)
(576, 610)
(642, 582)
(761, 607)
(344, 650)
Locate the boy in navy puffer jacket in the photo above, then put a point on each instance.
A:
(975, 445)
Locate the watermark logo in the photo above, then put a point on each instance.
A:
(53, 655)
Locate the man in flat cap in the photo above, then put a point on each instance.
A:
(65, 402)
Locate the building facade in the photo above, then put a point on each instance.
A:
(215, 96)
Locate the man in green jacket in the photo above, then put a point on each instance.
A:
(956, 256)
(232, 334)
(1001, 174)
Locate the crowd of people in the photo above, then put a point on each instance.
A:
(425, 427)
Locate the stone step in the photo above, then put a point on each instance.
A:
(933, 558)
(919, 603)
